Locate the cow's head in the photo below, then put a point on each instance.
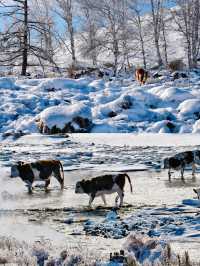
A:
(15, 169)
(79, 187)
(82, 187)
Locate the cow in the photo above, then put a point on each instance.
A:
(40, 170)
(105, 184)
(141, 75)
(181, 160)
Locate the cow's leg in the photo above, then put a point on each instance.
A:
(30, 188)
(116, 200)
(92, 196)
(104, 199)
(193, 169)
(47, 182)
(182, 172)
(121, 196)
(59, 178)
(169, 174)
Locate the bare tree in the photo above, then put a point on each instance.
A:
(136, 16)
(187, 18)
(89, 47)
(65, 11)
(110, 16)
(18, 39)
(156, 12)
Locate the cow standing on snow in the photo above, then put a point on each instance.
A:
(141, 75)
(101, 185)
(181, 160)
(38, 171)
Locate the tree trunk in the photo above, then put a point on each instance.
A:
(71, 32)
(25, 40)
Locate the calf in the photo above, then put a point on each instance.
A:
(101, 185)
(180, 161)
(38, 171)
(141, 75)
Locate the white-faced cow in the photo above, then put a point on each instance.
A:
(105, 184)
(38, 171)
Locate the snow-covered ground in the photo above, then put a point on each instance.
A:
(117, 106)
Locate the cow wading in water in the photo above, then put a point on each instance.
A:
(181, 160)
(141, 75)
(105, 184)
(38, 171)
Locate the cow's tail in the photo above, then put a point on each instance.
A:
(129, 180)
(61, 166)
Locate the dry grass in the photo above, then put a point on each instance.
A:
(176, 65)
(13, 252)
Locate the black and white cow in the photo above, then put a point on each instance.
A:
(181, 160)
(38, 171)
(105, 184)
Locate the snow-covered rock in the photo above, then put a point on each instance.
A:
(65, 118)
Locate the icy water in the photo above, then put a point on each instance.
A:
(50, 215)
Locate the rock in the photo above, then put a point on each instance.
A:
(126, 102)
(71, 118)
(156, 75)
(178, 75)
(112, 114)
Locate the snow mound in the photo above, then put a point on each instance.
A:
(118, 105)
(61, 83)
(196, 127)
(8, 83)
(165, 126)
(65, 118)
(189, 109)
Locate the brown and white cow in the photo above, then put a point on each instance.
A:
(180, 160)
(105, 184)
(141, 75)
(38, 171)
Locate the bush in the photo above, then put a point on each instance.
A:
(176, 65)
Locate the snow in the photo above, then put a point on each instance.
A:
(116, 106)
(139, 140)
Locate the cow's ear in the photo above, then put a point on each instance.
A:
(195, 191)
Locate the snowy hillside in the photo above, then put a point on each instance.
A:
(162, 105)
